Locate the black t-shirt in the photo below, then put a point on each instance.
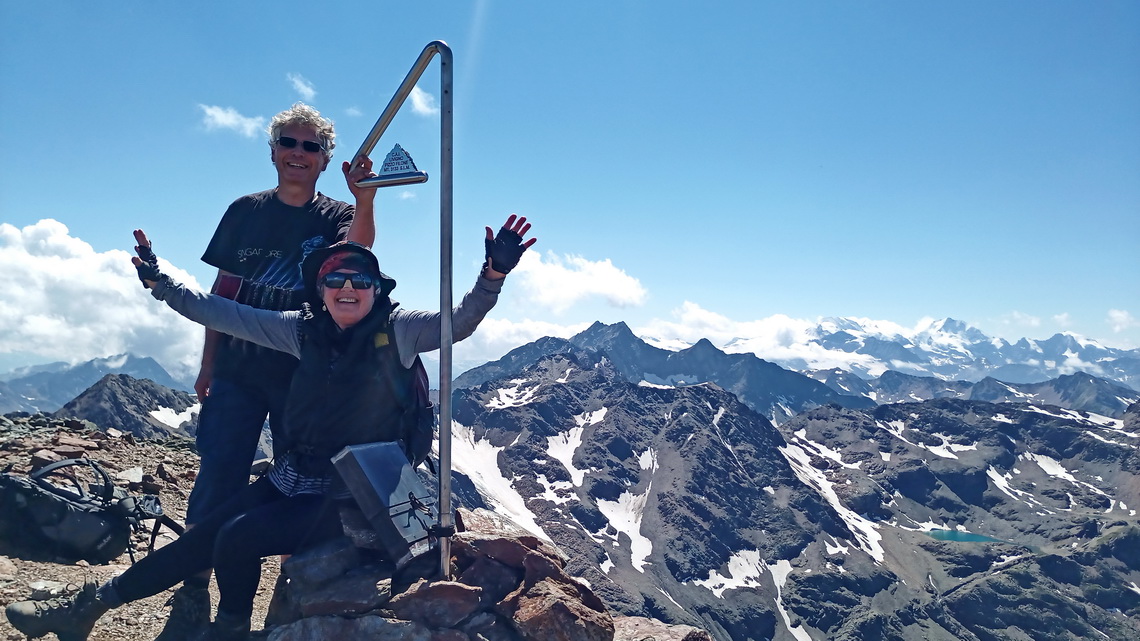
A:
(263, 240)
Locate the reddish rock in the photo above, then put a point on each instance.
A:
(442, 604)
(69, 451)
(63, 440)
(41, 458)
(547, 611)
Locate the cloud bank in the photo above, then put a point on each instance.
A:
(1121, 320)
(214, 117)
(62, 300)
(561, 282)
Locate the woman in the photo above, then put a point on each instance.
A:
(354, 346)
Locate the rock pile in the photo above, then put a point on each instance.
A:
(506, 585)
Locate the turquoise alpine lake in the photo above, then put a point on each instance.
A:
(962, 537)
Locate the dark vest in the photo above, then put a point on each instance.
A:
(350, 388)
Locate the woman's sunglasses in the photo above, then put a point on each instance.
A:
(336, 280)
(290, 142)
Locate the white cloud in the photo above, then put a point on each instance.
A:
(355, 112)
(497, 336)
(407, 195)
(1063, 320)
(62, 300)
(228, 118)
(1121, 320)
(1019, 319)
(423, 103)
(775, 338)
(302, 86)
(558, 283)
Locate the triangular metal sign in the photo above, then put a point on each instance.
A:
(397, 169)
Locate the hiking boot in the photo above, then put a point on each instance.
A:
(189, 614)
(226, 627)
(70, 618)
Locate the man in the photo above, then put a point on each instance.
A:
(258, 248)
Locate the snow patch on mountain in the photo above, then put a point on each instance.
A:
(780, 571)
(478, 459)
(825, 451)
(173, 418)
(625, 516)
(515, 395)
(1002, 482)
(1052, 467)
(744, 571)
(866, 532)
(1084, 417)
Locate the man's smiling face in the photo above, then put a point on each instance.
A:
(295, 165)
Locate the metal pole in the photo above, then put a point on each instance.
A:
(447, 100)
(446, 520)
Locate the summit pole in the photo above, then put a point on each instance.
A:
(446, 520)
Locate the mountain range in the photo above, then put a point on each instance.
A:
(875, 513)
(946, 348)
(835, 349)
(48, 387)
(778, 393)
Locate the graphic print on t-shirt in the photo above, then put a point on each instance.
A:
(277, 284)
(280, 270)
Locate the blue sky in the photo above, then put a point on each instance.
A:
(694, 169)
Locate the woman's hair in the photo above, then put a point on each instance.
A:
(304, 115)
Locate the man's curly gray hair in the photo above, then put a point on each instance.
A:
(304, 115)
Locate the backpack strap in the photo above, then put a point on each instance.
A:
(106, 493)
(160, 521)
(418, 414)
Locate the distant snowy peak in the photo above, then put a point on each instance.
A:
(944, 348)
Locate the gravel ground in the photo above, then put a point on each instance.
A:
(141, 620)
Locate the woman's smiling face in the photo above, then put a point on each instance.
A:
(347, 304)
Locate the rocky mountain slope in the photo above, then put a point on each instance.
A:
(139, 406)
(945, 519)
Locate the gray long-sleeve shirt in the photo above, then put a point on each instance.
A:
(416, 331)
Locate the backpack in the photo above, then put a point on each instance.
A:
(419, 429)
(50, 509)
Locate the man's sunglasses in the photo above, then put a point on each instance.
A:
(290, 142)
(336, 280)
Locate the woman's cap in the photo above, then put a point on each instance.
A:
(343, 255)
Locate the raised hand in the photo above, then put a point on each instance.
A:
(359, 169)
(506, 248)
(146, 262)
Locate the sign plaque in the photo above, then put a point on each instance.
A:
(397, 161)
(397, 169)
